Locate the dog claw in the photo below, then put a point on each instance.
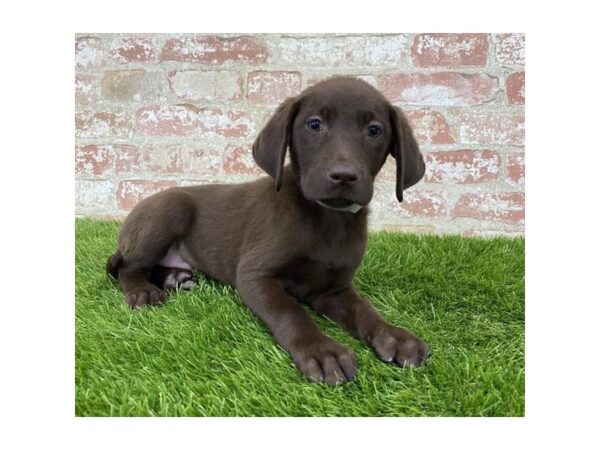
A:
(180, 278)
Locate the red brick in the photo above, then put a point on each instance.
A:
(430, 127)
(177, 120)
(450, 50)
(515, 88)
(229, 124)
(238, 160)
(87, 90)
(515, 169)
(462, 166)
(507, 207)
(89, 124)
(343, 51)
(89, 52)
(131, 192)
(510, 49)
(271, 88)
(492, 128)
(131, 86)
(206, 85)
(134, 49)
(107, 159)
(183, 159)
(419, 203)
(215, 50)
(440, 89)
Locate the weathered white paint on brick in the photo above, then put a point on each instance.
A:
(184, 158)
(430, 94)
(481, 164)
(154, 111)
(206, 85)
(515, 169)
(510, 49)
(170, 113)
(440, 89)
(94, 194)
(418, 203)
(271, 88)
(391, 50)
(211, 50)
(89, 52)
(508, 207)
(133, 49)
(107, 160)
(166, 121)
(437, 44)
(134, 86)
(131, 192)
(491, 128)
(87, 89)
(131, 189)
(238, 160)
(452, 50)
(430, 127)
(102, 124)
(232, 123)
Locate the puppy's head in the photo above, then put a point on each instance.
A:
(340, 132)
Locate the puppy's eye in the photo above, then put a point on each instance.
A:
(314, 125)
(374, 131)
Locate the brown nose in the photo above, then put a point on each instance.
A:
(342, 175)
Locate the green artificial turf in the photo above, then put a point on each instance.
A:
(205, 354)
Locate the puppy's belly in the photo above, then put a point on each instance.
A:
(178, 256)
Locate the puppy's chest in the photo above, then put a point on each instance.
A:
(320, 270)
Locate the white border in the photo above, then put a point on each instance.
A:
(562, 245)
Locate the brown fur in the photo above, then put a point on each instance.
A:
(274, 243)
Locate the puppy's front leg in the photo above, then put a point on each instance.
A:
(318, 356)
(362, 320)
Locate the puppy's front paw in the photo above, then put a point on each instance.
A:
(326, 361)
(398, 345)
(147, 294)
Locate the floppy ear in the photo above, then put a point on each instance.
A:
(271, 144)
(410, 166)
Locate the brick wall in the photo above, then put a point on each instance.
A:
(153, 111)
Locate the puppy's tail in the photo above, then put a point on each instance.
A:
(113, 264)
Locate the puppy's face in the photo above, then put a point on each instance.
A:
(341, 136)
(340, 132)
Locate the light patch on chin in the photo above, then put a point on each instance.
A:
(353, 208)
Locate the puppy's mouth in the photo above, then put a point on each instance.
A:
(337, 202)
(340, 205)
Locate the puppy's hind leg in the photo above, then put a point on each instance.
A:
(169, 278)
(146, 236)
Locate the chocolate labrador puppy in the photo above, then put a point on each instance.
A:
(299, 239)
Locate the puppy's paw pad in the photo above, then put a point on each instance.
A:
(400, 346)
(147, 295)
(327, 362)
